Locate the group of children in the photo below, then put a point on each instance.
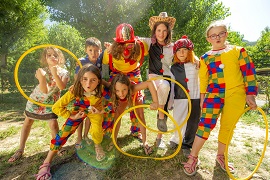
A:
(222, 82)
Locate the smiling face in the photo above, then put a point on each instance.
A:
(161, 33)
(121, 90)
(217, 37)
(89, 81)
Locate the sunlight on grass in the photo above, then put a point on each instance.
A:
(254, 117)
(244, 151)
(10, 131)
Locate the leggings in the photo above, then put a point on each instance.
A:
(230, 108)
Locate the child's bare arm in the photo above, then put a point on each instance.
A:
(202, 99)
(60, 82)
(106, 83)
(40, 75)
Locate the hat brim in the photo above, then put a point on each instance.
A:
(155, 19)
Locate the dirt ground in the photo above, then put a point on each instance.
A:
(71, 167)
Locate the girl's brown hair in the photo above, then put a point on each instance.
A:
(123, 79)
(190, 57)
(168, 39)
(78, 90)
(58, 53)
(117, 50)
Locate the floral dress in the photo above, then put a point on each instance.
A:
(34, 111)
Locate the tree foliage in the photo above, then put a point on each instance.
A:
(69, 38)
(21, 23)
(99, 18)
(236, 38)
(260, 53)
(21, 28)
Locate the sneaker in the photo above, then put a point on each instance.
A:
(186, 152)
(173, 145)
(160, 144)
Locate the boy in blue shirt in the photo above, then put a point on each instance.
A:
(93, 49)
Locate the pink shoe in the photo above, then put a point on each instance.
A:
(45, 174)
(191, 169)
(221, 161)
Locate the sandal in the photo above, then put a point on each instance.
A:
(162, 124)
(147, 150)
(62, 152)
(192, 168)
(87, 140)
(44, 174)
(221, 161)
(137, 135)
(17, 155)
(110, 146)
(100, 154)
(78, 146)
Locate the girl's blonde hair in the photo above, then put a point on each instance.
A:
(218, 23)
(190, 57)
(123, 79)
(58, 53)
(117, 50)
(78, 90)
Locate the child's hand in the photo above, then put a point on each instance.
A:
(40, 74)
(79, 115)
(54, 71)
(251, 102)
(95, 110)
(197, 62)
(108, 46)
(154, 106)
(71, 88)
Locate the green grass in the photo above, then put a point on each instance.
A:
(244, 151)
(254, 117)
(9, 132)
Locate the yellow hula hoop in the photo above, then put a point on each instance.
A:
(146, 157)
(189, 107)
(19, 62)
(264, 148)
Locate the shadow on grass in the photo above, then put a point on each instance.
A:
(219, 173)
(70, 166)
(12, 106)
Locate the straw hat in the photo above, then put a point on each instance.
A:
(163, 17)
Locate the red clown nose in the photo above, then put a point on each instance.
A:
(126, 52)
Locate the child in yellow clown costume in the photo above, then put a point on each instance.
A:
(227, 82)
(87, 92)
(126, 55)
